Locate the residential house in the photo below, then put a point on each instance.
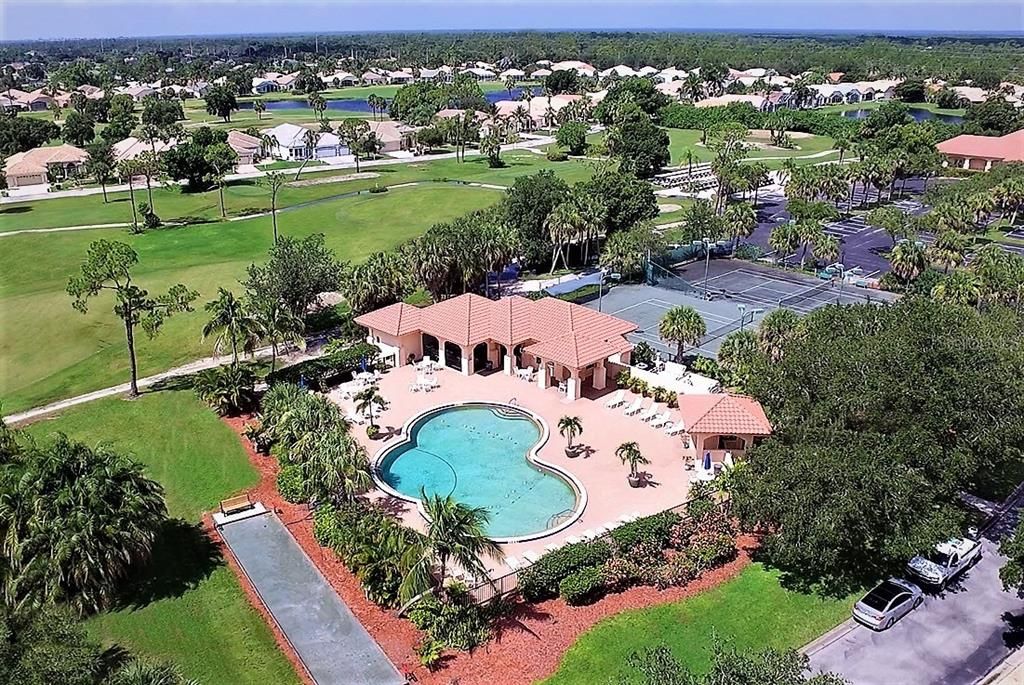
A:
(36, 101)
(400, 77)
(618, 71)
(479, 73)
(286, 81)
(262, 85)
(835, 76)
(137, 92)
(394, 136)
(426, 74)
(248, 148)
(291, 143)
(646, 71)
(372, 78)
(581, 68)
(981, 153)
(339, 79)
(38, 165)
(758, 102)
(540, 73)
(131, 147)
(670, 74)
(971, 94)
(512, 73)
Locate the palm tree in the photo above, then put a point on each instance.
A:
(784, 239)
(318, 105)
(740, 220)
(368, 401)
(949, 249)
(826, 248)
(809, 232)
(683, 326)
(960, 287)
(278, 325)
(259, 107)
(592, 214)
(562, 225)
(510, 85)
(139, 672)
(775, 329)
(629, 453)
(335, 467)
(907, 259)
(455, 533)
(127, 169)
(569, 427)
(841, 143)
(274, 181)
(77, 520)
(231, 322)
(692, 88)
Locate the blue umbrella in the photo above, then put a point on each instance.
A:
(362, 363)
(707, 461)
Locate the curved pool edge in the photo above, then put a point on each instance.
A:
(532, 455)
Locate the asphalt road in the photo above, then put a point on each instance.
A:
(954, 638)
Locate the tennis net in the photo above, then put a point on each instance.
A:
(804, 295)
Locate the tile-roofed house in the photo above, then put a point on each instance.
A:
(568, 344)
(131, 147)
(393, 135)
(721, 422)
(512, 73)
(291, 143)
(35, 166)
(248, 148)
(981, 153)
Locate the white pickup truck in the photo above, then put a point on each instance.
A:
(946, 561)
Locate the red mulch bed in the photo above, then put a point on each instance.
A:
(528, 644)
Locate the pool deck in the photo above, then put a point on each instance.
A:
(599, 470)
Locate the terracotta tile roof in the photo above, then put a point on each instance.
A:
(723, 414)
(395, 319)
(36, 160)
(552, 329)
(1009, 148)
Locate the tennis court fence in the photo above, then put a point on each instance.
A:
(663, 278)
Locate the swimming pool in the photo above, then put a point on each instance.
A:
(482, 455)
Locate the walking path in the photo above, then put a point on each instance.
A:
(329, 640)
(61, 229)
(183, 370)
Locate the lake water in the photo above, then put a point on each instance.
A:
(362, 107)
(918, 113)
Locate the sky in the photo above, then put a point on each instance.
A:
(44, 19)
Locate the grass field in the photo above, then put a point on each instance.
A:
(186, 606)
(875, 104)
(681, 140)
(751, 611)
(248, 196)
(49, 351)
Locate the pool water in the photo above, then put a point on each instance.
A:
(477, 454)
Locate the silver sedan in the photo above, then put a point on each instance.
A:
(890, 601)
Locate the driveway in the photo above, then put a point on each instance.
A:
(954, 638)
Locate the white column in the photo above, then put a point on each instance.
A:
(466, 368)
(542, 376)
(507, 364)
(988, 165)
(572, 388)
(967, 163)
(600, 378)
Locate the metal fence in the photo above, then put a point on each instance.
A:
(503, 585)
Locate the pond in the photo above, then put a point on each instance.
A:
(361, 106)
(919, 114)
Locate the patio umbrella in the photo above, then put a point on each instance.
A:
(707, 461)
(362, 364)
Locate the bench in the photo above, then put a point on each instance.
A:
(233, 505)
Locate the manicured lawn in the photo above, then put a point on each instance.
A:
(287, 164)
(186, 606)
(247, 196)
(681, 140)
(875, 104)
(751, 611)
(49, 351)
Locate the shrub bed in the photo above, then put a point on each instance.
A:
(583, 586)
(541, 581)
(656, 530)
(290, 484)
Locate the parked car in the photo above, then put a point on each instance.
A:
(890, 601)
(946, 561)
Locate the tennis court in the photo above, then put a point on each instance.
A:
(775, 289)
(645, 305)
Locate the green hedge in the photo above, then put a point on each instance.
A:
(654, 530)
(582, 587)
(541, 581)
(816, 122)
(318, 372)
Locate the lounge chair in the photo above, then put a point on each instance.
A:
(676, 428)
(513, 563)
(589, 534)
(634, 407)
(531, 556)
(617, 400)
(611, 525)
(663, 420)
(573, 540)
(650, 412)
(552, 547)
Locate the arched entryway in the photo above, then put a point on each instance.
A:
(431, 347)
(517, 351)
(452, 356)
(480, 357)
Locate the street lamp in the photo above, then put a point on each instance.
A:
(707, 264)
